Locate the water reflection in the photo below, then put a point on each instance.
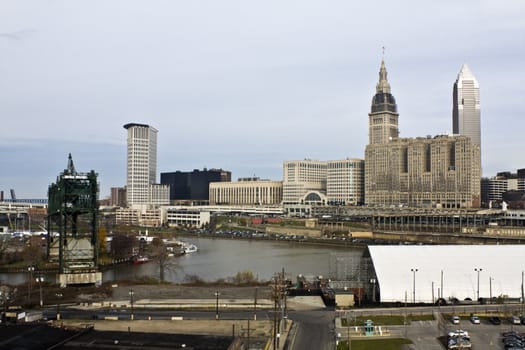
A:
(219, 258)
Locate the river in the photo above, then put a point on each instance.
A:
(222, 258)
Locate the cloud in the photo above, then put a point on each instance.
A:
(18, 35)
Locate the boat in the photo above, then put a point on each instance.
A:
(188, 248)
(140, 260)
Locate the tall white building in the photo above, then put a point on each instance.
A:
(465, 110)
(345, 183)
(142, 167)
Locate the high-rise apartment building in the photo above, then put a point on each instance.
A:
(465, 110)
(443, 171)
(141, 186)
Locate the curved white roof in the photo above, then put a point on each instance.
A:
(500, 268)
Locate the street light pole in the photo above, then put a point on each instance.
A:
(59, 295)
(217, 305)
(131, 292)
(373, 282)
(414, 270)
(40, 279)
(490, 289)
(255, 306)
(478, 270)
(30, 270)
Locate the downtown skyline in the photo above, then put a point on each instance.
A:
(241, 87)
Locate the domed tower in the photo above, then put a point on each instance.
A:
(383, 118)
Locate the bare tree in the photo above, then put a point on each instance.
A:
(122, 246)
(158, 252)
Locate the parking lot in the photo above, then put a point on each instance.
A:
(483, 336)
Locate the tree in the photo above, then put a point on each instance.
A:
(122, 246)
(102, 234)
(158, 252)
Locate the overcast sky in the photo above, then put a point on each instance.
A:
(244, 85)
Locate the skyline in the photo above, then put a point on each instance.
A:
(241, 86)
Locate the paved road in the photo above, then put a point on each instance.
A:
(315, 330)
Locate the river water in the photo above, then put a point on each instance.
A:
(222, 258)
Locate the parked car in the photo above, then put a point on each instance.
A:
(455, 319)
(495, 320)
(522, 319)
(515, 320)
(475, 319)
(458, 333)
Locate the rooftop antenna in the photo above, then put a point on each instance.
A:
(383, 48)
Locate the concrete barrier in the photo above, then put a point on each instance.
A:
(176, 318)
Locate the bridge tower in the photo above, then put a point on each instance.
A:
(73, 214)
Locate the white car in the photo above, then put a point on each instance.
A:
(475, 320)
(455, 319)
(515, 320)
(458, 333)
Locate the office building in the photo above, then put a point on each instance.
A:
(442, 171)
(304, 181)
(246, 191)
(493, 188)
(193, 185)
(466, 111)
(345, 182)
(141, 186)
(186, 217)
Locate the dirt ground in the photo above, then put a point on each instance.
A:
(52, 294)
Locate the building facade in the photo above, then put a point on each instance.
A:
(383, 118)
(185, 217)
(249, 191)
(442, 171)
(303, 177)
(118, 197)
(142, 216)
(466, 109)
(193, 185)
(345, 182)
(493, 188)
(142, 166)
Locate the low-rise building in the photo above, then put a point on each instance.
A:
(246, 191)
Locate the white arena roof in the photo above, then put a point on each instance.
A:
(401, 268)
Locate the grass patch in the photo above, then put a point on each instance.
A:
(385, 320)
(375, 344)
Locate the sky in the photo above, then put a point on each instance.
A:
(244, 85)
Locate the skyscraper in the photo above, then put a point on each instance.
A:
(441, 171)
(142, 166)
(383, 117)
(466, 112)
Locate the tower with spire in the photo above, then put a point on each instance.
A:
(383, 117)
(439, 172)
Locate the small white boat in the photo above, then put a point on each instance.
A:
(188, 248)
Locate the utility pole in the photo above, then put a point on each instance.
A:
(255, 306)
